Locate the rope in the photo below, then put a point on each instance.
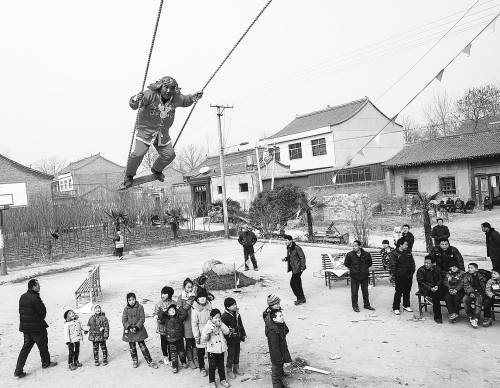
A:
(220, 65)
(145, 77)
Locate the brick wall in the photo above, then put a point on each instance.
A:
(35, 184)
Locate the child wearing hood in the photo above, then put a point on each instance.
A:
(173, 319)
(232, 319)
(186, 300)
(214, 334)
(73, 334)
(134, 332)
(492, 293)
(276, 332)
(98, 334)
(199, 318)
(165, 301)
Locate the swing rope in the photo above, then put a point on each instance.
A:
(145, 76)
(219, 67)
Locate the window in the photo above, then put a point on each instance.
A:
(295, 151)
(447, 185)
(219, 189)
(276, 152)
(411, 186)
(354, 175)
(318, 146)
(243, 187)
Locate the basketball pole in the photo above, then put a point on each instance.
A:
(3, 263)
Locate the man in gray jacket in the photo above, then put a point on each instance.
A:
(296, 264)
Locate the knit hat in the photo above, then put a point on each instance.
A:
(201, 293)
(97, 305)
(288, 237)
(228, 302)
(168, 291)
(214, 312)
(66, 314)
(272, 300)
(385, 242)
(131, 295)
(202, 279)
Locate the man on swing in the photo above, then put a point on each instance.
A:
(156, 115)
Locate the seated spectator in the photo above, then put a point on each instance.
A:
(474, 288)
(487, 203)
(445, 254)
(442, 206)
(439, 231)
(492, 292)
(470, 205)
(459, 205)
(450, 205)
(384, 252)
(454, 288)
(429, 285)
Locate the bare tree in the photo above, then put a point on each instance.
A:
(440, 115)
(189, 157)
(410, 130)
(479, 102)
(52, 165)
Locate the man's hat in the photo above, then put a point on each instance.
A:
(167, 81)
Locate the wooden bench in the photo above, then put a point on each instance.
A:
(327, 265)
(377, 269)
(423, 303)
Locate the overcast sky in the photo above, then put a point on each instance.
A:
(68, 68)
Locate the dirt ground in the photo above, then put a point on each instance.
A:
(376, 351)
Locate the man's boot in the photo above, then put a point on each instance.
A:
(127, 182)
(236, 370)
(229, 371)
(158, 175)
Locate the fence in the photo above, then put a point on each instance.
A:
(90, 290)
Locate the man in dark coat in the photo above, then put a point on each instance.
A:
(247, 239)
(429, 285)
(408, 236)
(32, 324)
(439, 232)
(359, 262)
(296, 264)
(492, 245)
(445, 254)
(402, 267)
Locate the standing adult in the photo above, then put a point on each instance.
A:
(359, 262)
(492, 245)
(403, 268)
(296, 264)
(445, 254)
(439, 232)
(408, 236)
(32, 313)
(247, 239)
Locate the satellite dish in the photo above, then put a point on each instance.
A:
(204, 170)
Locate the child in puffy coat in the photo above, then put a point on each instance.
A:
(276, 332)
(73, 335)
(492, 293)
(186, 300)
(213, 334)
(232, 319)
(98, 334)
(165, 301)
(173, 318)
(199, 318)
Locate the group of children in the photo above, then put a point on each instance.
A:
(188, 328)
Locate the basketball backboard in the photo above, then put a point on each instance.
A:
(13, 194)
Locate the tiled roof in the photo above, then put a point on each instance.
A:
(448, 149)
(85, 161)
(234, 163)
(322, 118)
(27, 169)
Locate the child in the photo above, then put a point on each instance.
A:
(276, 331)
(98, 334)
(173, 318)
(384, 252)
(454, 287)
(119, 244)
(186, 300)
(73, 335)
(273, 303)
(492, 292)
(232, 319)
(165, 301)
(213, 334)
(202, 283)
(133, 319)
(199, 318)
(396, 235)
(474, 288)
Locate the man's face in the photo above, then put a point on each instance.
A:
(356, 247)
(385, 246)
(404, 246)
(428, 263)
(167, 91)
(444, 245)
(440, 222)
(472, 270)
(289, 242)
(232, 307)
(484, 229)
(36, 288)
(406, 229)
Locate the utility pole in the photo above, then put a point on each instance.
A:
(220, 112)
(258, 167)
(274, 166)
(3, 260)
